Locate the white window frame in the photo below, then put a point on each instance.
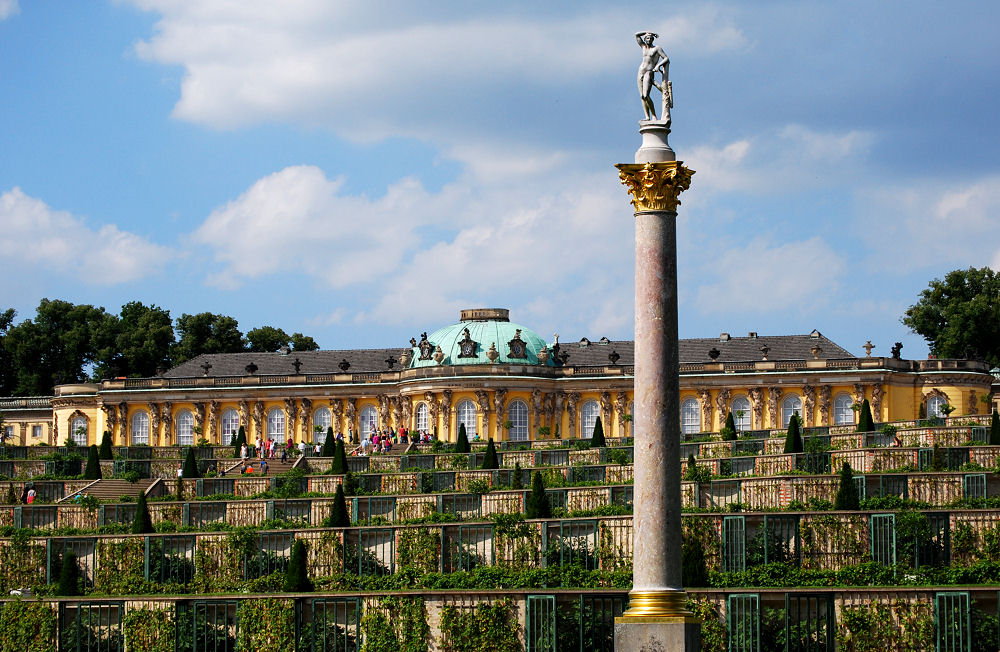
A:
(589, 412)
(36, 431)
(843, 412)
(934, 404)
(789, 406)
(276, 424)
(367, 419)
(139, 428)
(517, 412)
(323, 418)
(76, 424)
(184, 428)
(739, 403)
(423, 418)
(8, 434)
(467, 412)
(230, 424)
(690, 416)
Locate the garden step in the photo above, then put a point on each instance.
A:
(111, 489)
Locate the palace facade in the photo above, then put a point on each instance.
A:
(499, 379)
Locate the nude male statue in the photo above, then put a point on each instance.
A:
(653, 59)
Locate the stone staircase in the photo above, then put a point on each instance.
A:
(112, 489)
(274, 467)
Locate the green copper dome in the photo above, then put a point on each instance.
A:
(481, 334)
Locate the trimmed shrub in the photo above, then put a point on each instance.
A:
(538, 501)
(329, 444)
(728, 431)
(847, 494)
(239, 439)
(995, 429)
(105, 452)
(793, 440)
(339, 516)
(865, 421)
(297, 575)
(515, 481)
(93, 470)
(694, 570)
(598, 439)
(462, 443)
(69, 576)
(142, 523)
(339, 459)
(190, 469)
(490, 461)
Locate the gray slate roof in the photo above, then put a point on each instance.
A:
(736, 349)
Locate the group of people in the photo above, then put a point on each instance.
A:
(382, 441)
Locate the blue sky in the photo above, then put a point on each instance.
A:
(362, 171)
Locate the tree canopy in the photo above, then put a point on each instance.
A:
(960, 316)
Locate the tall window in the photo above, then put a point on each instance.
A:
(8, 434)
(589, 412)
(184, 427)
(323, 419)
(466, 413)
(934, 405)
(140, 427)
(230, 425)
(276, 424)
(36, 431)
(690, 416)
(517, 412)
(842, 412)
(740, 407)
(77, 430)
(368, 421)
(789, 406)
(423, 418)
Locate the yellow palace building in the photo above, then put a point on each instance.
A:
(502, 381)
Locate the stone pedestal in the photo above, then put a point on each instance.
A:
(658, 635)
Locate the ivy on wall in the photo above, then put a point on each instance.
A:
(20, 561)
(120, 566)
(419, 548)
(876, 627)
(396, 625)
(485, 628)
(149, 630)
(27, 627)
(267, 625)
(713, 625)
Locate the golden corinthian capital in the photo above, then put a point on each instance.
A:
(655, 186)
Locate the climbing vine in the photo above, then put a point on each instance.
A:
(27, 627)
(420, 549)
(485, 628)
(396, 625)
(150, 630)
(713, 626)
(120, 565)
(875, 627)
(267, 625)
(20, 560)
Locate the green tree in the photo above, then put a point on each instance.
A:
(847, 495)
(69, 576)
(93, 470)
(206, 332)
(515, 478)
(266, 339)
(297, 573)
(597, 441)
(537, 505)
(462, 443)
(960, 316)
(865, 421)
(339, 466)
(339, 517)
(694, 568)
(793, 440)
(302, 342)
(239, 438)
(135, 342)
(8, 377)
(106, 452)
(142, 523)
(728, 432)
(329, 444)
(190, 468)
(490, 460)
(995, 429)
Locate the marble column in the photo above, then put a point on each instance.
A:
(654, 182)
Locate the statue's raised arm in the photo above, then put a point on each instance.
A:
(653, 59)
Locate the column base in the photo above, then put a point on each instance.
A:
(657, 634)
(656, 604)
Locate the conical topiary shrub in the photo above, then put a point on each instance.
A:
(490, 460)
(105, 452)
(598, 439)
(538, 501)
(793, 440)
(339, 516)
(93, 470)
(847, 495)
(865, 421)
(462, 443)
(297, 573)
(995, 429)
(339, 459)
(515, 478)
(69, 576)
(239, 438)
(142, 523)
(329, 444)
(728, 432)
(190, 469)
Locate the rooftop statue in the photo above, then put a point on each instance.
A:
(654, 59)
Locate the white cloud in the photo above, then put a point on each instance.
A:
(765, 276)
(8, 8)
(39, 238)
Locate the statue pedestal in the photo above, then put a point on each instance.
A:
(654, 147)
(657, 634)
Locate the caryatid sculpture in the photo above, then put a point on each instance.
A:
(654, 59)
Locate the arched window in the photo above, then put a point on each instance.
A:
(140, 427)
(78, 431)
(740, 407)
(230, 425)
(790, 405)
(690, 416)
(323, 420)
(589, 412)
(423, 418)
(934, 405)
(276, 424)
(466, 412)
(517, 412)
(368, 421)
(184, 428)
(842, 412)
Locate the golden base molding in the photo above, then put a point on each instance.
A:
(644, 605)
